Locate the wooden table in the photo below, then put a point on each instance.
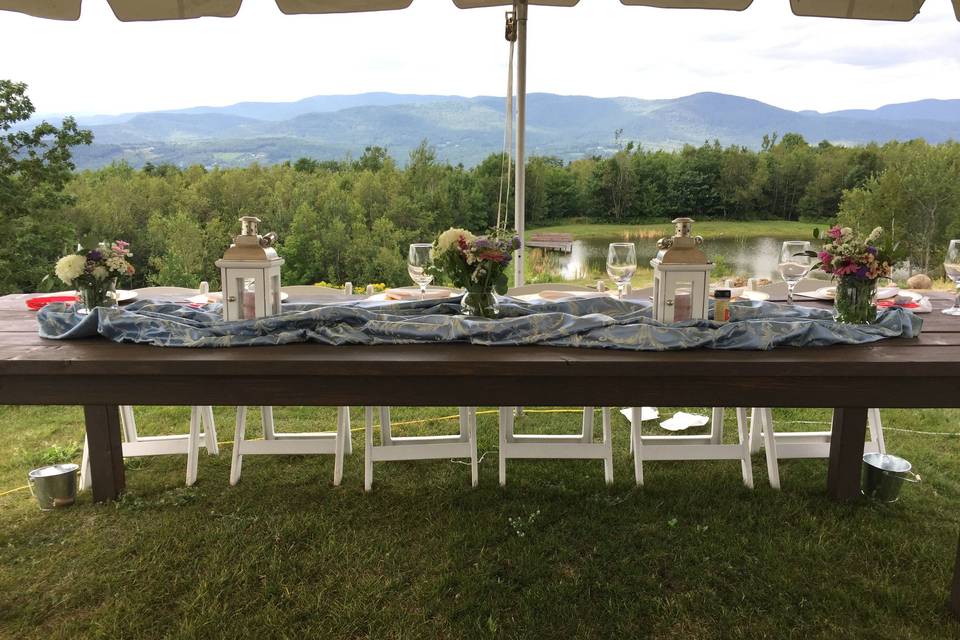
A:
(96, 373)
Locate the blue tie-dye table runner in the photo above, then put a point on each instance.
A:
(600, 322)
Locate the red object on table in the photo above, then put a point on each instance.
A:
(42, 301)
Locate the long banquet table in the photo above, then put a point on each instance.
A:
(99, 374)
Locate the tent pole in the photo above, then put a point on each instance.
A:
(520, 7)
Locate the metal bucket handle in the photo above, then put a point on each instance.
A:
(906, 476)
(30, 482)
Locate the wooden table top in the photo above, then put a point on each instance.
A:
(922, 372)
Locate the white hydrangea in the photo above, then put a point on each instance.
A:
(100, 273)
(450, 237)
(69, 268)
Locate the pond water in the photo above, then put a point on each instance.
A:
(732, 256)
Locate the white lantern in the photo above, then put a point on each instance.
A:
(250, 273)
(680, 276)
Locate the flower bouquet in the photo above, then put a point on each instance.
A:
(94, 273)
(857, 263)
(477, 264)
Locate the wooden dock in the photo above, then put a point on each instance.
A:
(552, 241)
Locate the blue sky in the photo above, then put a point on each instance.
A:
(599, 48)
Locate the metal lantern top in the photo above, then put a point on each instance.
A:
(682, 248)
(250, 246)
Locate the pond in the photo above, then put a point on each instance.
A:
(731, 256)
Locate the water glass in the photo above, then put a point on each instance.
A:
(419, 259)
(794, 265)
(621, 264)
(951, 265)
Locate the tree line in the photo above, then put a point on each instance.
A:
(353, 219)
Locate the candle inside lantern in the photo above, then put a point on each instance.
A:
(249, 300)
(682, 307)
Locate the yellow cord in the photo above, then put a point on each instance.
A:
(26, 486)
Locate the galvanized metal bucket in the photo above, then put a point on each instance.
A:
(54, 486)
(883, 475)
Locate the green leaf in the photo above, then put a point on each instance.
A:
(816, 233)
(500, 286)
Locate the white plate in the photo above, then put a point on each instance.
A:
(123, 295)
(216, 296)
(754, 295)
(829, 293)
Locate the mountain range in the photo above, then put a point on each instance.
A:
(466, 130)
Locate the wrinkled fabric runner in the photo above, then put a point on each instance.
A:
(603, 323)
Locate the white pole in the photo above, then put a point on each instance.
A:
(518, 209)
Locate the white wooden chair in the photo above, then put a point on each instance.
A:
(805, 444)
(391, 447)
(336, 442)
(460, 445)
(135, 445)
(555, 446)
(692, 447)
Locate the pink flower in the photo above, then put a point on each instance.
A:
(846, 269)
(835, 232)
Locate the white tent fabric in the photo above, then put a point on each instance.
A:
(134, 10)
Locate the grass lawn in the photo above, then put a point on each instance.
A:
(556, 554)
(708, 229)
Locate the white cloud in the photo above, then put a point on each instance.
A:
(600, 48)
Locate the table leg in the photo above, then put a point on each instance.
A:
(846, 453)
(955, 589)
(106, 451)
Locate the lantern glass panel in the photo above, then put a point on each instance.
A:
(683, 301)
(249, 288)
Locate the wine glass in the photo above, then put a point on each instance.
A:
(419, 260)
(621, 264)
(794, 265)
(951, 264)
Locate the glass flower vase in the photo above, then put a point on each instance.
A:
(855, 300)
(480, 303)
(97, 293)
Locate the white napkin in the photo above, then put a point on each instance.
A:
(682, 420)
(414, 294)
(646, 413)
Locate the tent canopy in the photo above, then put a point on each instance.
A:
(139, 10)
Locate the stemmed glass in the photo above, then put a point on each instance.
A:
(621, 264)
(794, 265)
(419, 260)
(951, 264)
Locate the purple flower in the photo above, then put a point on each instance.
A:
(94, 256)
(862, 272)
(872, 250)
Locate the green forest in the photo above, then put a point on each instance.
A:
(352, 219)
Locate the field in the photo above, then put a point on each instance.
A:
(556, 553)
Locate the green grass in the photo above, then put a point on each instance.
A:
(556, 554)
(707, 229)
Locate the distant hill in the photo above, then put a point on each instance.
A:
(466, 130)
